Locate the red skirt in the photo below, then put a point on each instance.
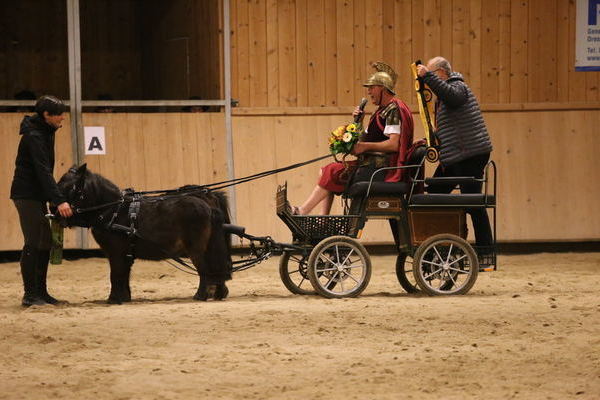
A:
(334, 176)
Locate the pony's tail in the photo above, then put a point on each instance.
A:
(223, 205)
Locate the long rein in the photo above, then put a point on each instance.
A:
(132, 196)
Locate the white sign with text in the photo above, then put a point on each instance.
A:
(95, 142)
(587, 39)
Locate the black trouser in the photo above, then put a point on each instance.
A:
(473, 166)
(34, 224)
(36, 251)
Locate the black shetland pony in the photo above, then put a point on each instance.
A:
(184, 224)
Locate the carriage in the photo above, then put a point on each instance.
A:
(429, 233)
(325, 255)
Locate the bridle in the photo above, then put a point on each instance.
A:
(78, 195)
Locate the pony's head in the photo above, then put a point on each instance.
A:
(83, 189)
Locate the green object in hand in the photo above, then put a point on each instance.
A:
(56, 250)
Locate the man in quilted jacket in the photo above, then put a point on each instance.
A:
(465, 144)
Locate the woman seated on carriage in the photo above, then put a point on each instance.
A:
(385, 142)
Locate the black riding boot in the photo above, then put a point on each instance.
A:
(29, 258)
(41, 273)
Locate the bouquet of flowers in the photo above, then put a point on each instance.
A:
(343, 138)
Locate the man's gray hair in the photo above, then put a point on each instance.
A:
(442, 63)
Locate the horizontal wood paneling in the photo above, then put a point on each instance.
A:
(548, 189)
(508, 50)
(144, 151)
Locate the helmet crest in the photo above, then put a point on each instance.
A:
(385, 76)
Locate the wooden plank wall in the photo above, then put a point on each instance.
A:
(129, 49)
(181, 49)
(33, 59)
(144, 151)
(547, 185)
(111, 49)
(296, 53)
(548, 189)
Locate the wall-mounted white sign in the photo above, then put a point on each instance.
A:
(95, 142)
(587, 38)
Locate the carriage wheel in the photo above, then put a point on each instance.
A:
(445, 264)
(404, 273)
(294, 274)
(339, 267)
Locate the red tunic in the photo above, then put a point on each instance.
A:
(333, 176)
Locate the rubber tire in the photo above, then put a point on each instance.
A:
(446, 237)
(312, 263)
(401, 274)
(284, 274)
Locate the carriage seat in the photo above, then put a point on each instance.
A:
(453, 199)
(395, 189)
(391, 189)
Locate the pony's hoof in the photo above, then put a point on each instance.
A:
(201, 296)
(206, 292)
(113, 301)
(222, 292)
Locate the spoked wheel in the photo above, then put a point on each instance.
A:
(404, 273)
(339, 267)
(294, 273)
(445, 264)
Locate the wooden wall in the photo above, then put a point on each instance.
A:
(130, 49)
(547, 184)
(182, 49)
(144, 151)
(111, 49)
(298, 67)
(548, 188)
(33, 47)
(288, 53)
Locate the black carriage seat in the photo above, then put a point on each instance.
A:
(390, 189)
(452, 199)
(393, 189)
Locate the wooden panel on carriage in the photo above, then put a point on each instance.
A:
(383, 207)
(430, 222)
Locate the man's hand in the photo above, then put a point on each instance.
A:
(422, 70)
(64, 209)
(358, 111)
(358, 148)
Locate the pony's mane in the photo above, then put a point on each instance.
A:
(100, 185)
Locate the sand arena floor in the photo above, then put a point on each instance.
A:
(529, 331)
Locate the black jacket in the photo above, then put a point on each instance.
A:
(34, 166)
(460, 126)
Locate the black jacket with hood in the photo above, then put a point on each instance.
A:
(460, 126)
(34, 166)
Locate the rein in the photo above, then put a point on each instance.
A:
(98, 207)
(231, 182)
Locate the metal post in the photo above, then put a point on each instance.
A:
(75, 94)
(227, 91)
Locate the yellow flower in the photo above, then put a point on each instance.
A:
(347, 137)
(332, 139)
(339, 132)
(351, 128)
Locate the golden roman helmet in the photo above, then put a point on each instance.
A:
(385, 76)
